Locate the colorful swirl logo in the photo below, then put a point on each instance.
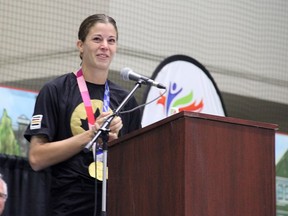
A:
(184, 103)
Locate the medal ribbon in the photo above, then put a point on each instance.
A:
(91, 121)
(87, 102)
(86, 98)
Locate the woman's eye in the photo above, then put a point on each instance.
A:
(112, 41)
(97, 39)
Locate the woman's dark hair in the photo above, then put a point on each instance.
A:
(91, 21)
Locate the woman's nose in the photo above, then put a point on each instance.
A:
(104, 44)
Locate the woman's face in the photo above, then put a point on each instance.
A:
(99, 47)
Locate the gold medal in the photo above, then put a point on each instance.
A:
(99, 166)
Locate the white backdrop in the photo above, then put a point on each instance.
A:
(242, 43)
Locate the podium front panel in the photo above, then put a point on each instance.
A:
(193, 165)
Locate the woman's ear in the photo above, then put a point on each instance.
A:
(80, 46)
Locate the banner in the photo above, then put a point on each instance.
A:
(190, 87)
(281, 160)
(16, 109)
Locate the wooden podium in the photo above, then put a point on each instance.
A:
(193, 164)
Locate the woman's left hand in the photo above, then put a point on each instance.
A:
(115, 125)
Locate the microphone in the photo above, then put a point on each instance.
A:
(128, 74)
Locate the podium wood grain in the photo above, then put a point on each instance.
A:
(193, 164)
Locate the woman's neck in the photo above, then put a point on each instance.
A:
(95, 76)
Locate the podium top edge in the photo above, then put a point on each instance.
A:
(230, 120)
(195, 115)
(227, 119)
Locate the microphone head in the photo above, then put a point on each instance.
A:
(127, 74)
(124, 73)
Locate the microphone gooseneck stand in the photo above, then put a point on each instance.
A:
(104, 133)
